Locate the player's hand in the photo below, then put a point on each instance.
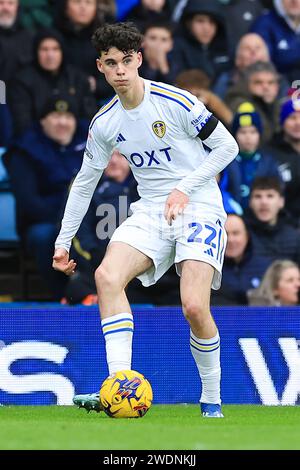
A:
(61, 262)
(175, 205)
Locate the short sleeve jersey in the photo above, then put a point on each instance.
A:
(158, 138)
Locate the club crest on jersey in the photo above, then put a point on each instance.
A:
(159, 128)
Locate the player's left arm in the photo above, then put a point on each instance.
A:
(223, 150)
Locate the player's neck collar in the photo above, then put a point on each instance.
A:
(144, 100)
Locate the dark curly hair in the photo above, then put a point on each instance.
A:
(124, 36)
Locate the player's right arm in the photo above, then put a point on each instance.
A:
(94, 162)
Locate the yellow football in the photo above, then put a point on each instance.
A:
(126, 394)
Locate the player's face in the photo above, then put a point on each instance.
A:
(248, 138)
(59, 127)
(8, 12)
(203, 28)
(50, 55)
(81, 12)
(288, 287)
(120, 68)
(265, 85)
(266, 204)
(237, 237)
(291, 126)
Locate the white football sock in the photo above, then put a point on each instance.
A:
(206, 353)
(118, 332)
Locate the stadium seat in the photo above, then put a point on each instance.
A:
(11, 256)
(19, 278)
(8, 231)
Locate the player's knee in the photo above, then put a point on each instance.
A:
(107, 279)
(195, 312)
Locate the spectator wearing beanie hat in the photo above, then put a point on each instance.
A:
(285, 148)
(251, 161)
(41, 165)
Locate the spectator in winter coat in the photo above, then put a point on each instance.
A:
(280, 285)
(49, 75)
(203, 43)
(285, 147)
(157, 46)
(261, 88)
(251, 161)
(77, 21)
(41, 165)
(241, 271)
(271, 231)
(280, 29)
(15, 41)
(250, 49)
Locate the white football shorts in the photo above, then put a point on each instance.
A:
(195, 235)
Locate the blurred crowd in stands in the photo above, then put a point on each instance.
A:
(240, 57)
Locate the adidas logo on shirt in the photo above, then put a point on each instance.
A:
(209, 252)
(121, 138)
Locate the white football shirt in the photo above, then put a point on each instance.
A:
(158, 139)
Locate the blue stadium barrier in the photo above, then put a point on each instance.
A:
(49, 353)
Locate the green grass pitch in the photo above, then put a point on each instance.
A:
(165, 427)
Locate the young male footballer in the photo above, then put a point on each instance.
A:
(179, 217)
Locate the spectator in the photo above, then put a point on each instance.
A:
(241, 271)
(49, 75)
(285, 147)
(198, 83)
(149, 11)
(77, 20)
(279, 287)
(15, 42)
(157, 45)
(251, 161)
(36, 14)
(203, 43)
(261, 88)
(41, 165)
(280, 29)
(271, 232)
(250, 49)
